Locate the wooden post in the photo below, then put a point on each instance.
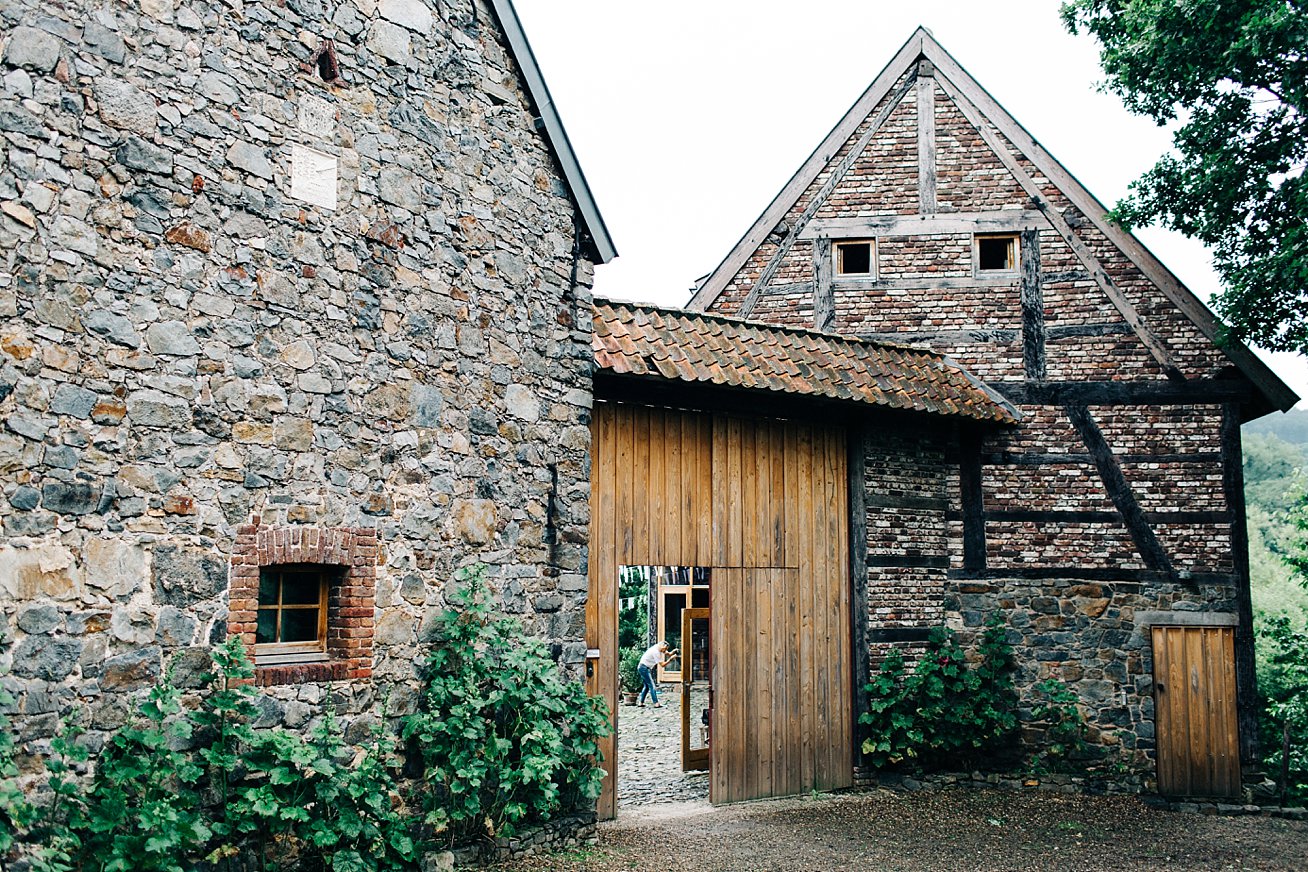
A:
(1246, 677)
(858, 569)
(926, 137)
(1033, 306)
(973, 500)
(824, 296)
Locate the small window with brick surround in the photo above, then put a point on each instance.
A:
(855, 258)
(995, 253)
(292, 622)
(303, 600)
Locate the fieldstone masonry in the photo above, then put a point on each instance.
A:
(193, 359)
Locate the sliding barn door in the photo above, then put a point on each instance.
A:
(1194, 704)
(764, 505)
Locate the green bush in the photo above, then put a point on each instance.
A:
(629, 669)
(143, 808)
(174, 788)
(945, 713)
(502, 738)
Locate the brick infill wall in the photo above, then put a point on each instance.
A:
(350, 600)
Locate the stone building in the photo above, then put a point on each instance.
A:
(1109, 523)
(294, 292)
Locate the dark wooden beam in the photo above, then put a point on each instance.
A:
(1070, 275)
(972, 499)
(907, 561)
(1156, 392)
(1005, 458)
(1080, 573)
(824, 298)
(857, 464)
(966, 336)
(900, 634)
(1072, 516)
(1078, 331)
(1246, 677)
(883, 500)
(1033, 307)
(1119, 491)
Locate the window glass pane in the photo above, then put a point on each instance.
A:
(995, 252)
(299, 625)
(268, 587)
(699, 598)
(267, 629)
(301, 588)
(854, 258)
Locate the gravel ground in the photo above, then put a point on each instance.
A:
(948, 830)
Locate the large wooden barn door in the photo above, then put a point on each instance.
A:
(763, 503)
(1194, 701)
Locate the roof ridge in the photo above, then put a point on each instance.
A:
(788, 328)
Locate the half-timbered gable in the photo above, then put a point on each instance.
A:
(929, 216)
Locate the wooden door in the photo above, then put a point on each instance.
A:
(764, 504)
(696, 689)
(1195, 717)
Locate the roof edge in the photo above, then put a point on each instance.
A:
(1277, 392)
(600, 243)
(715, 284)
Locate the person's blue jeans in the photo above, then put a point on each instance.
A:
(648, 680)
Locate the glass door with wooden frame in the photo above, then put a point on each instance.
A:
(696, 690)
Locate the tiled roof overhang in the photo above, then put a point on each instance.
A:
(640, 340)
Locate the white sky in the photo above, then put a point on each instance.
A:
(688, 117)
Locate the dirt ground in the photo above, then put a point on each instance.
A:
(947, 830)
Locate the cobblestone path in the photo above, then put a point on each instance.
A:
(649, 756)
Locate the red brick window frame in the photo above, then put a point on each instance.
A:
(351, 597)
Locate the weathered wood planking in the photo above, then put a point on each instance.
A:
(765, 504)
(1194, 700)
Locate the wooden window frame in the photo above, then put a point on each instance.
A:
(870, 275)
(664, 674)
(1015, 260)
(276, 653)
(349, 555)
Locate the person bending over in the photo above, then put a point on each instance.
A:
(656, 655)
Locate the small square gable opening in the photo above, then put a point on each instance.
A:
(996, 253)
(854, 258)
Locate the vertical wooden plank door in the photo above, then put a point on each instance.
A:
(1195, 715)
(696, 689)
(764, 505)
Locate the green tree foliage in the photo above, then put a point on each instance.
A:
(502, 737)
(947, 712)
(1283, 684)
(1273, 481)
(1233, 78)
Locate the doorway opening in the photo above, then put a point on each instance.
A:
(663, 737)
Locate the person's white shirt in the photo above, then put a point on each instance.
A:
(651, 657)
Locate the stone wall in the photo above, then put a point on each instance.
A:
(196, 347)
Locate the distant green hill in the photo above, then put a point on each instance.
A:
(1275, 476)
(1291, 427)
